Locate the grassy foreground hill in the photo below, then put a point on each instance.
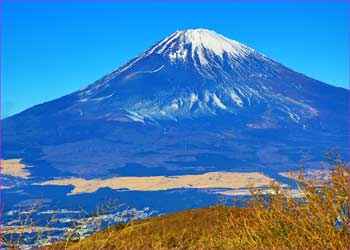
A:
(279, 220)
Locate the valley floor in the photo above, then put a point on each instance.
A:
(319, 220)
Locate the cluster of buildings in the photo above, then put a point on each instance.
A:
(56, 225)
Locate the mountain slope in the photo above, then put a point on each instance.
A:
(192, 102)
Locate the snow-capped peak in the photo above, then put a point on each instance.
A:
(201, 48)
(197, 73)
(199, 43)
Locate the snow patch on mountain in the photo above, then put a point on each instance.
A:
(218, 102)
(143, 72)
(96, 99)
(235, 98)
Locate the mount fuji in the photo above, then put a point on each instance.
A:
(192, 103)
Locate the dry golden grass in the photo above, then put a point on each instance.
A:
(273, 221)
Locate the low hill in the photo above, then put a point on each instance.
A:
(187, 229)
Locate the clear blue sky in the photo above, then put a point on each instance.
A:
(52, 49)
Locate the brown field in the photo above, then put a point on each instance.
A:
(15, 168)
(233, 180)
